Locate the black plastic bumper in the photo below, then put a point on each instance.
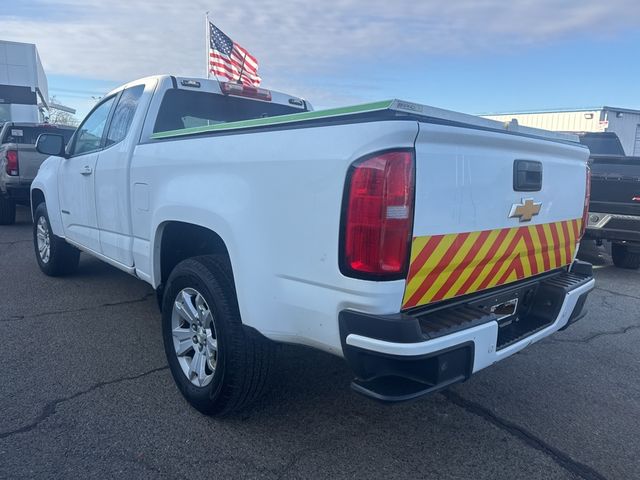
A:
(393, 378)
(18, 193)
(613, 235)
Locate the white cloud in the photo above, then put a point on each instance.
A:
(124, 39)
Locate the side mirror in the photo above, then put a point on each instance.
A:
(51, 144)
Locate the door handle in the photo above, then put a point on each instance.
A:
(86, 170)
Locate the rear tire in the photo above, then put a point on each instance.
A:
(623, 257)
(55, 256)
(199, 309)
(7, 211)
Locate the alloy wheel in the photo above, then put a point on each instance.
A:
(194, 336)
(44, 240)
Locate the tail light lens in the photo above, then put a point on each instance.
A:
(378, 216)
(12, 163)
(587, 198)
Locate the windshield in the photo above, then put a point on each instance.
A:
(185, 109)
(28, 135)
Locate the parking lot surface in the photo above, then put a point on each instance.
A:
(85, 393)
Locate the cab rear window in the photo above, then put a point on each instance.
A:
(186, 109)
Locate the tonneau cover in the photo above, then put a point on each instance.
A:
(392, 108)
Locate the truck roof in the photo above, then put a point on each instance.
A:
(205, 84)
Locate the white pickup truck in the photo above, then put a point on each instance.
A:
(419, 244)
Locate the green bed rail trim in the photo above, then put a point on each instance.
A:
(280, 119)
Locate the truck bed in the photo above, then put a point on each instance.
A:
(383, 110)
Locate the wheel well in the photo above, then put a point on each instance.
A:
(37, 197)
(181, 240)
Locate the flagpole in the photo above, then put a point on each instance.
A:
(207, 32)
(244, 58)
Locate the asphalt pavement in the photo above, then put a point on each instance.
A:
(85, 393)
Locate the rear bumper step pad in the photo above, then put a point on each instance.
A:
(388, 377)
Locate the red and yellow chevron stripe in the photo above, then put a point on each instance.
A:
(446, 266)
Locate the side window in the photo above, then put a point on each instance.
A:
(123, 114)
(89, 135)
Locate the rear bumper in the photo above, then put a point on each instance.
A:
(407, 355)
(613, 227)
(18, 192)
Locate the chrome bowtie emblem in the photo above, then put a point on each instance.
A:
(525, 210)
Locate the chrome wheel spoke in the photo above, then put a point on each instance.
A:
(182, 340)
(186, 308)
(201, 308)
(212, 352)
(193, 366)
(202, 370)
(197, 368)
(212, 345)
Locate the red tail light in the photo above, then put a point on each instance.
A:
(587, 197)
(378, 216)
(12, 163)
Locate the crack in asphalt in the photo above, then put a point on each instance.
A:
(50, 408)
(15, 318)
(604, 303)
(559, 457)
(15, 242)
(590, 338)
(617, 294)
(139, 459)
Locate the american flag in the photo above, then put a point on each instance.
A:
(229, 60)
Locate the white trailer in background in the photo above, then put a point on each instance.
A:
(23, 83)
(624, 122)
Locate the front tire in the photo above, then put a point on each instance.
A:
(219, 366)
(7, 211)
(55, 256)
(623, 257)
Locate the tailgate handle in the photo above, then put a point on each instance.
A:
(527, 176)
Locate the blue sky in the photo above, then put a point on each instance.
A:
(476, 57)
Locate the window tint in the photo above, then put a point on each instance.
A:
(29, 135)
(186, 108)
(123, 115)
(89, 136)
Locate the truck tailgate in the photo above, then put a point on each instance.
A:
(29, 161)
(472, 229)
(615, 185)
